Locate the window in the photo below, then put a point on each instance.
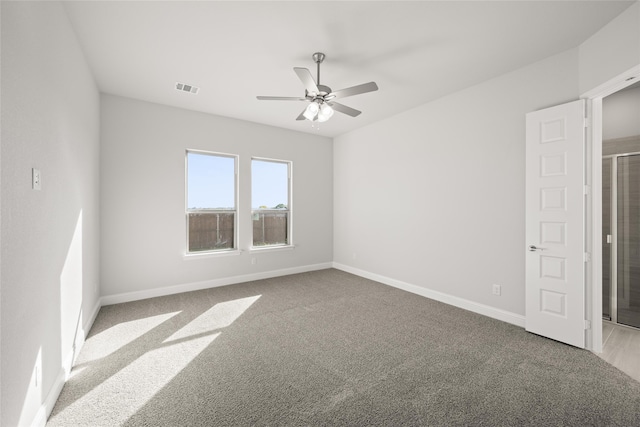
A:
(270, 202)
(211, 202)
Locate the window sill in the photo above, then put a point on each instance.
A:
(203, 255)
(272, 248)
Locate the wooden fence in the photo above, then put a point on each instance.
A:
(210, 231)
(270, 228)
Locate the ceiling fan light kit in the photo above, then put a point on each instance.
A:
(320, 97)
(311, 111)
(325, 112)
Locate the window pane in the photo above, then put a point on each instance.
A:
(210, 182)
(270, 202)
(270, 228)
(210, 231)
(269, 185)
(211, 186)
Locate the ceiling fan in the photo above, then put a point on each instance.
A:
(321, 97)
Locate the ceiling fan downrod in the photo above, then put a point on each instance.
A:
(318, 57)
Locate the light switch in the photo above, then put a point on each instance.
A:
(36, 182)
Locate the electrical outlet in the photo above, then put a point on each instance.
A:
(254, 260)
(36, 179)
(497, 289)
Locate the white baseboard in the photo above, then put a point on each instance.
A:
(51, 399)
(206, 284)
(92, 318)
(65, 370)
(485, 310)
(41, 416)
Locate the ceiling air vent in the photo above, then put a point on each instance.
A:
(187, 88)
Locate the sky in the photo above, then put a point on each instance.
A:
(269, 184)
(211, 182)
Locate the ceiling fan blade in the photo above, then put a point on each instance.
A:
(354, 90)
(344, 109)
(280, 98)
(301, 116)
(307, 80)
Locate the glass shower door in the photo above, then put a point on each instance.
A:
(627, 297)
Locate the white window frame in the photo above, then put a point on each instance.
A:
(226, 251)
(289, 210)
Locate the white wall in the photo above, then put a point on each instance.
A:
(612, 50)
(50, 238)
(143, 191)
(434, 197)
(621, 114)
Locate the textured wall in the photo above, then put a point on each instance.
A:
(50, 238)
(453, 170)
(143, 195)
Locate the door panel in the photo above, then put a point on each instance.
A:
(555, 289)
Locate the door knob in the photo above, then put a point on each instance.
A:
(533, 248)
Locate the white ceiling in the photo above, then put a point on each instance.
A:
(415, 51)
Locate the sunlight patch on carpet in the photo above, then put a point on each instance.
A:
(219, 316)
(117, 336)
(124, 393)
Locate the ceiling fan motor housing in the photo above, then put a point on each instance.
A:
(323, 92)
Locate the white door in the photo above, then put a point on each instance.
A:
(555, 200)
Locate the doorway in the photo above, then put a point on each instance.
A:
(593, 225)
(620, 237)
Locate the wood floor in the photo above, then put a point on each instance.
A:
(621, 348)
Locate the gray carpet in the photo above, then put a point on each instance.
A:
(330, 348)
